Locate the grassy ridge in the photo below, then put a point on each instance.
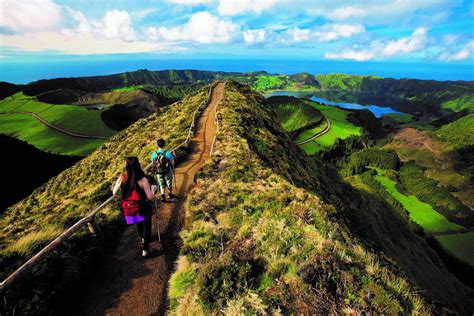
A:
(255, 243)
(459, 133)
(28, 129)
(73, 118)
(342, 81)
(56, 205)
(421, 213)
(294, 114)
(414, 181)
(459, 245)
(340, 128)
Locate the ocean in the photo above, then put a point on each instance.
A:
(21, 72)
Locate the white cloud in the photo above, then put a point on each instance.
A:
(361, 55)
(450, 39)
(254, 36)
(189, 2)
(294, 36)
(80, 44)
(113, 33)
(376, 12)
(19, 16)
(460, 54)
(138, 15)
(342, 13)
(114, 25)
(416, 42)
(118, 24)
(233, 7)
(330, 32)
(202, 27)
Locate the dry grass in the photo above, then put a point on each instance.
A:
(266, 246)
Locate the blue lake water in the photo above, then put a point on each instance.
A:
(377, 110)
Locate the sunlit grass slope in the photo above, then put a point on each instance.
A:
(459, 133)
(340, 128)
(421, 213)
(294, 114)
(64, 199)
(459, 245)
(258, 240)
(72, 118)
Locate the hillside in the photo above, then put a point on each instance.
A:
(134, 78)
(433, 97)
(295, 115)
(59, 203)
(264, 235)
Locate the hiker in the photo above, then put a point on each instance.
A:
(135, 199)
(163, 168)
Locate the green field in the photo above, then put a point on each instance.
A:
(310, 132)
(130, 88)
(421, 213)
(340, 128)
(268, 82)
(70, 117)
(459, 245)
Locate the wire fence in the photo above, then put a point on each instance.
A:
(89, 220)
(216, 118)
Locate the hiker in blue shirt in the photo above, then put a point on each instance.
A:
(163, 167)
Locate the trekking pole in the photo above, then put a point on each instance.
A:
(157, 221)
(174, 182)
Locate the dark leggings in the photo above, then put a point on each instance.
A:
(144, 229)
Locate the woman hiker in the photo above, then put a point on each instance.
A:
(136, 197)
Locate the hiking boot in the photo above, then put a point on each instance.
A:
(163, 198)
(146, 253)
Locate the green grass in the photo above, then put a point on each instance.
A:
(340, 128)
(465, 101)
(459, 133)
(294, 114)
(179, 282)
(337, 81)
(459, 245)
(268, 82)
(261, 243)
(129, 88)
(421, 213)
(70, 117)
(399, 117)
(53, 207)
(310, 132)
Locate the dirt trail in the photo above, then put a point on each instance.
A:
(126, 284)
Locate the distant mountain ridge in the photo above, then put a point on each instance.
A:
(424, 95)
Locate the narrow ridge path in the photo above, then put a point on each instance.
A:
(126, 284)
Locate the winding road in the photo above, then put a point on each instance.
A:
(59, 129)
(452, 232)
(125, 284)
(321, 133)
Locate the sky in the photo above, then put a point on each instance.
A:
(363, 31)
